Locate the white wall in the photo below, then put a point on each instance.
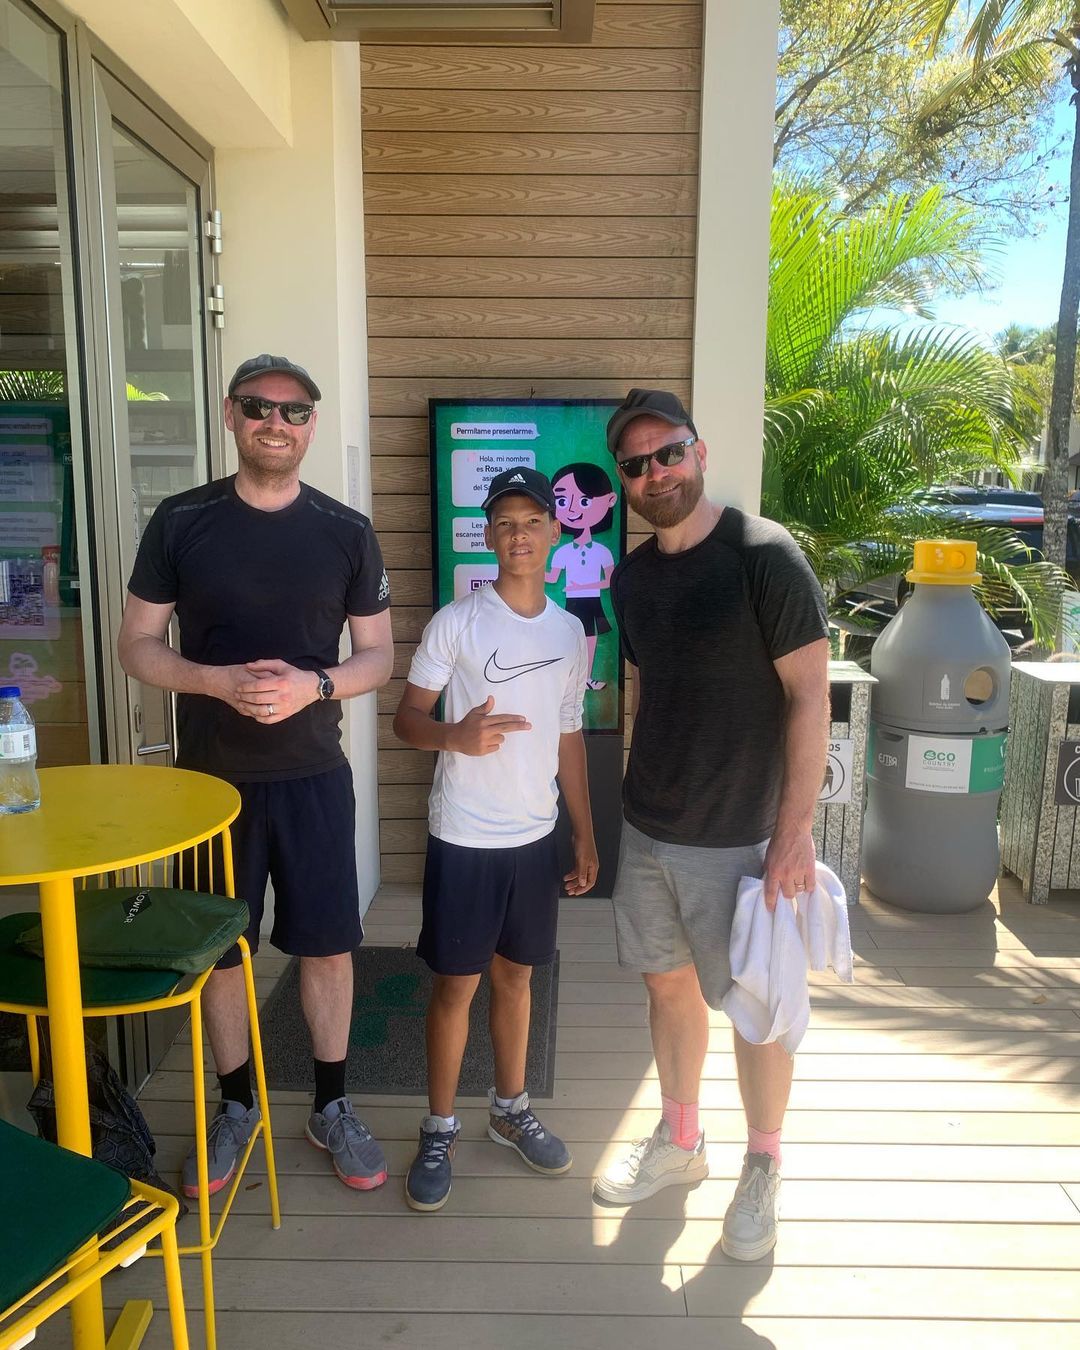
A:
(222, 65)
(731, 297)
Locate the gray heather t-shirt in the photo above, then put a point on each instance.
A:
(704, 628)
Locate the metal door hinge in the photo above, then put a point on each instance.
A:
(215, 303)
(212, 229)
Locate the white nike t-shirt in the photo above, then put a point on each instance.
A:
(536, 668)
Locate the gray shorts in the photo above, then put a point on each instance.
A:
(674, 905)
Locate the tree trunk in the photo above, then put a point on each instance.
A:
(1055, 505)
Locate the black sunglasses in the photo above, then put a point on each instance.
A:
(259, 409)
(638, 465)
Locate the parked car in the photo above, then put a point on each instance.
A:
(873, 603)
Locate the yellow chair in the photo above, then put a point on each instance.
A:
(55, 1205)
(112, 992)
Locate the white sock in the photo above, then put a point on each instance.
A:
(446, 1123)
(505, 1103)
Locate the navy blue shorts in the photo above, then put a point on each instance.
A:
(483, 901)
(298, 833)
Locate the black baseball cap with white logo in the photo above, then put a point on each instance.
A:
(265, 364)
(646, 403)
(529, 482)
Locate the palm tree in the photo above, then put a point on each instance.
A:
(859, 417)
(1011, 42)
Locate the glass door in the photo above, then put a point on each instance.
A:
(157, 340)
(46, 587)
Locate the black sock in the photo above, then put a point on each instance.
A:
(329, 1081)
(236, 1086)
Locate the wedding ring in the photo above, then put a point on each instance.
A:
(269, 710)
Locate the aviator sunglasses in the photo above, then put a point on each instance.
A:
(638, 465)
(259, 409)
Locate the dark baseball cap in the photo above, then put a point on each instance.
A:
(646, 403)
(529, 482)
(272, 365)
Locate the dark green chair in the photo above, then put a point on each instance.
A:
(55, 1205)
(197, 927)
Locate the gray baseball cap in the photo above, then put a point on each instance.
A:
(272, 365)
(646, 403)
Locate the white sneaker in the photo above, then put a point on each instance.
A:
(750, 1221)
(651, 1165)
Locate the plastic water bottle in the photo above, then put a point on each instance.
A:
(19, 788)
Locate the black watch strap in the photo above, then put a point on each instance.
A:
(326, 684)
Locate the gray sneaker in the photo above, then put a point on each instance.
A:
(750, 1221)
(226, 1139)
(358, 1160)
(427, 1183)
(651, 1165)
(517, 1127)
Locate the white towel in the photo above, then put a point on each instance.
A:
(770, 952)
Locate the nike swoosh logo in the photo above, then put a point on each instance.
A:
(507, 673)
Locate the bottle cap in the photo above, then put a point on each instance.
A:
(944, 562)
(10, 691)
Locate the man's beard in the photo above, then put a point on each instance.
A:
(672, 509)
(269, 467)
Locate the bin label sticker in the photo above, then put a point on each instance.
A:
(1067, 782)
(836, 789)
(936, 764)
(943, 690)
(987, 764)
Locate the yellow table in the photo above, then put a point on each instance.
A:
(97, 818)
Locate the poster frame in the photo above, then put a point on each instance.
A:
(438, 509)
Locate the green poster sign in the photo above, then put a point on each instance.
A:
(472, 441)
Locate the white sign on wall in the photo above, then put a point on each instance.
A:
(839, 761)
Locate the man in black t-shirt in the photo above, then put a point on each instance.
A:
(725, 624)
(263, 573)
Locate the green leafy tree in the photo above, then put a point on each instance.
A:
(1013, 42)
(859, 110)
(859, 418)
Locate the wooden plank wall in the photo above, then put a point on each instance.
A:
(531, 232)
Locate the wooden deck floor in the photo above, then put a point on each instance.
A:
(931, 1163)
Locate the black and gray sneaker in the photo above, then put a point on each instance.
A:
(517, 1127)
(357, 1158)
(226, 1139)
(427, 1183)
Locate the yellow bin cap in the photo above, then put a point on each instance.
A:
(944, 562)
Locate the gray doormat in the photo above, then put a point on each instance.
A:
(386, 1043)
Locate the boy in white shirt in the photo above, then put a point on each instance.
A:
(512, 668)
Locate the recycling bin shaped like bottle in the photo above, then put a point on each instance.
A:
(936, 756)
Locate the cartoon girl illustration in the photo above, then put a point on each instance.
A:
(584, 505)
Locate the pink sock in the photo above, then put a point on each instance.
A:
(764, 1141)
(682, 1122)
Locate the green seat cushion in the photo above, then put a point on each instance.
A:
(152, 928)
(54, 1201)
(22, 976)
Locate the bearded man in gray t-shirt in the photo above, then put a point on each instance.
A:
(725, 624)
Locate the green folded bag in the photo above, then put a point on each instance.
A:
(151, 928)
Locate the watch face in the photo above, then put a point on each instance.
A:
(326, 687)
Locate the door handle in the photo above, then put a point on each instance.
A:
(154, 749)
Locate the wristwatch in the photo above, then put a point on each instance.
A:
(326, 685)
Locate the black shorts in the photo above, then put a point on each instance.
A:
(483, 901)
(590, 610)
(298, 833)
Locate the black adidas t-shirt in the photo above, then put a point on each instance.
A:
(704, 627)
(251, 585)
